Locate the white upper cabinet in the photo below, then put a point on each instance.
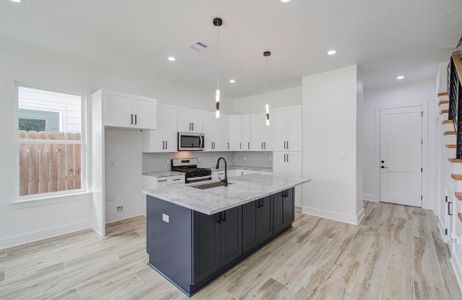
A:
(145, 113)
(225, 144)
(235, 132)
(246, 136)
(164, 139)
(212, 131)
(190, 120)
(286, 126)
(130, 111)
(261, 134)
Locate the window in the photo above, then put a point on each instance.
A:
(50, 142)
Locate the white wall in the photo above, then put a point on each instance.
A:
(406, 94)
(330, 145)
(44, 69)
(256, 103)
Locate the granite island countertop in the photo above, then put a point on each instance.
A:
(241, 190)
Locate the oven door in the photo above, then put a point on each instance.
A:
(190, 141)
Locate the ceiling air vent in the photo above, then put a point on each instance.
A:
(198, 46)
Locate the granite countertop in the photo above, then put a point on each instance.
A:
(163, 174)
(241, 189)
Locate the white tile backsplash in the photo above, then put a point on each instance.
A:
(160, 162)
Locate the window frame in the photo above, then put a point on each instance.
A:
(83, 149)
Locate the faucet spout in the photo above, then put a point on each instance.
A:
(225, 180)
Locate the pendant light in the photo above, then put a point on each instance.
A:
(217, 22)
(267, 54)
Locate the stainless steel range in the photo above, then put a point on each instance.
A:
(192, 172)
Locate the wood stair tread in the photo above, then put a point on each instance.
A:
(447, 122)
(458, 195)
(457, 177)
(451, 146)
(444, 111)
(449, 132)
(442, 94)
(443, 102)
(455, 160)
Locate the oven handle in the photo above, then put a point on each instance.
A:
(202, 141)
(198, 179)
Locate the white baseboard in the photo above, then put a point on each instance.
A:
(457, 271)
(370, 197)
(441, 231)
(125, 217)
(43, 234)
(336, 216)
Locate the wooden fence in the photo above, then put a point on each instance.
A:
(49, 162)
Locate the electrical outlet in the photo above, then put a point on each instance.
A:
(120, 208)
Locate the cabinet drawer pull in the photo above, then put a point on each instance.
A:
(176, 179)
(162, 180)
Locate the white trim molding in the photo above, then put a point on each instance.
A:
(345, 218)
(35, 236)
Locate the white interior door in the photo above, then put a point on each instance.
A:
(401, 155)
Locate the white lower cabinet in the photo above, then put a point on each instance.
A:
(289, 164)
(151, 182)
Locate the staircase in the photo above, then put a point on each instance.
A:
(450, 207)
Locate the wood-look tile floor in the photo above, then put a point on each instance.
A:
(395, 253)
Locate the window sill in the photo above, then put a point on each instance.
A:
(32, 200)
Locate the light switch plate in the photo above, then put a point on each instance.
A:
(165, 218)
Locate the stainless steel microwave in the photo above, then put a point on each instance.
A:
(188, 141)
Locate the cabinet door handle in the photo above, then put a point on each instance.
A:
(163, 145)
(228, 145)
(136, 119)
(192, 126)
(287, 157)
(218, 218)
(287, 145)
(240, 145)
(223, 218)
(248, 145)
(166, 144)
(131, 119)
(264, 145)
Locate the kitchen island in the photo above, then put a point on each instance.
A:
(196, 232)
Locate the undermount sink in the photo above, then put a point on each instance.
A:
(211, 185)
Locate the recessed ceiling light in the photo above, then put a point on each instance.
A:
(232, 80)
(400, 77)
(285, 1)
(16, 1)
(331, 52)
(171, 58)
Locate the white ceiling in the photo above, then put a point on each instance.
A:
(385, 37)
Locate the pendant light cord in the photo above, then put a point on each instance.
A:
(267, 74)
(217, 58)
